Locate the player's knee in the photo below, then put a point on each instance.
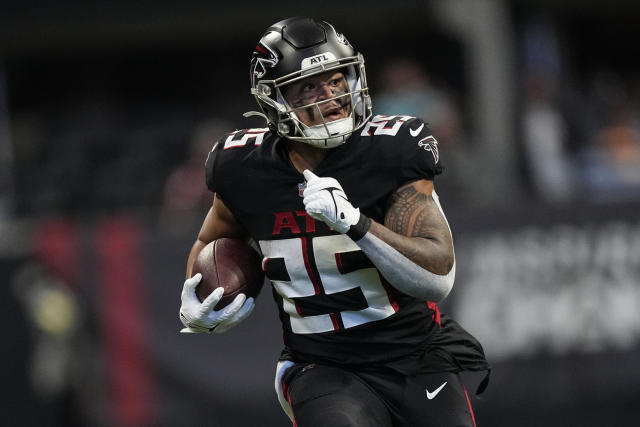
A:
(330, 397)
(354, 413)
(345, 416)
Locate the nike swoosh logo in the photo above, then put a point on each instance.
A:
(434, 393)
(415, 132)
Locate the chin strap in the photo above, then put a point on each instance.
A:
(319, 135)
(329, 135)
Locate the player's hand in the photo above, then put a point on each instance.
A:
(325, 200)
(200, 317)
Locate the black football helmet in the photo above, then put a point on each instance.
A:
(297, 48)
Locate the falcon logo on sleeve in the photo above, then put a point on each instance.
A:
(430, 144)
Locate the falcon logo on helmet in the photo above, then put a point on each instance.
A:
(262, 58)
(341, 38)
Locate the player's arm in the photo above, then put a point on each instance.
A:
(416, 227)
(413, 250)
(199, 316)
(218, 223)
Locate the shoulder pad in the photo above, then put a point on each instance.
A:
(412, 141)
(229, 150)
(423, 148)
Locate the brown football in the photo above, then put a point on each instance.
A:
(232, 264)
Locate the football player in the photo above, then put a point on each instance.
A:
(355, 243)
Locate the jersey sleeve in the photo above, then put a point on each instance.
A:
(219, 166)
(421, 155)
(211, 168)
(228, 158)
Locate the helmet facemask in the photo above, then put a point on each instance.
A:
(328, 133)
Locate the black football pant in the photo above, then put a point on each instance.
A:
(334, 397)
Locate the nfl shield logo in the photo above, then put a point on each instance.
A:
(301, 187)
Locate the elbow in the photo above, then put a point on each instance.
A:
(449, 264)
(424, 284)
(447, 286)
(445, 283)
(448, 261)
(434, 256)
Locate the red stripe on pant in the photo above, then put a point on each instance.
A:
(123, 321)
(473, 418)
(285, 392)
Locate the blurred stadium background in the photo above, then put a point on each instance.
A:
(107, 109)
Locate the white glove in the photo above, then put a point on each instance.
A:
(325, 200)
(201, 317)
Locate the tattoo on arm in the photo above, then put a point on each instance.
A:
(415, 214)
(416, 228)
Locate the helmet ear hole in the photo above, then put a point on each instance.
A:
(263, 89)
(283, 128)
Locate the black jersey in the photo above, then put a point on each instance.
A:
(335, 307)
